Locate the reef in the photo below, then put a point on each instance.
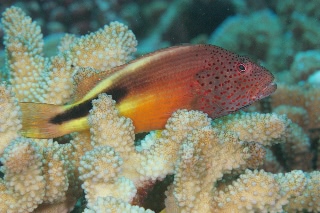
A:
(263, 160)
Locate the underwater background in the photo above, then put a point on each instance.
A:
(283, 36)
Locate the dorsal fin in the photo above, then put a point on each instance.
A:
(86, 78)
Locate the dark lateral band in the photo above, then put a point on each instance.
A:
(82, 110)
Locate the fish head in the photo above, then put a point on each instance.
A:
(251, 80)
(231, 83)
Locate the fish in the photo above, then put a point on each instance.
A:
(150, 88)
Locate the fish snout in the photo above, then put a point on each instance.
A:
(264, 91)
(267, 90)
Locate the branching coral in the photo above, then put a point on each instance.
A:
(210, 160)
(39, 79)
(306, 98)
(38, 172)
(10, 122)
(252, 191)
(259, 191)
(23, 183)
(198, 154)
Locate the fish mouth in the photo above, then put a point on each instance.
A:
(267, 90)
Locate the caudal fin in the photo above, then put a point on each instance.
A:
(36, 120)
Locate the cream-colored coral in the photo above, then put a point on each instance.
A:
(259, 191)
(266, 129)
(296, 114)
(66, 42)
(204, 155)
(138, 165)
(10, 122)
(104, 116)
(24, 183)
(197, 152)
(38, 172)
(107, 128)
(199, 167)
(54, 168)
(305, 97)
(24, 44)
(99, 169)
(104, 49)
(162, 155)
(113, 205)
(309, 198)
(36, 78)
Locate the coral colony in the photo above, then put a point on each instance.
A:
(243, 162)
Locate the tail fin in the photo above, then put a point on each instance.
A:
(36, 120)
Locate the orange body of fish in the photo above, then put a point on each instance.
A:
(149, 89)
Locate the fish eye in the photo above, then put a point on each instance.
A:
(241, 68)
